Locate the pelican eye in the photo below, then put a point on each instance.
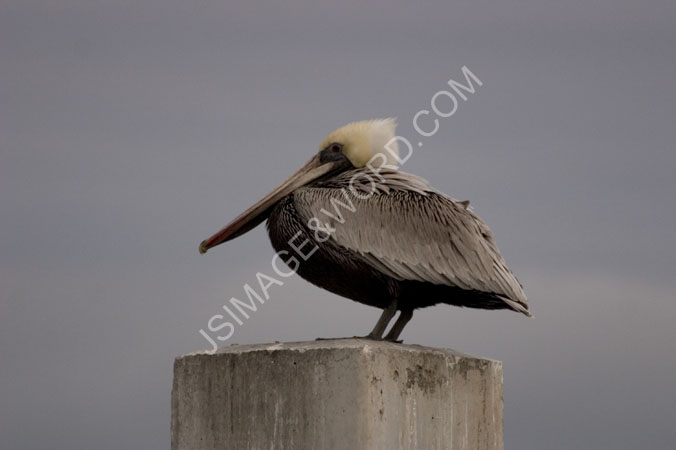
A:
(333, 153)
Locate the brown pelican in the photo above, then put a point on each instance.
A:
(378, 235)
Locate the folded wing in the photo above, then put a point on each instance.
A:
(409, 231)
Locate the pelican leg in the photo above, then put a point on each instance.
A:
(399, 325)
(383, 321)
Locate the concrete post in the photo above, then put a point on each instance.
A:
(349, 394)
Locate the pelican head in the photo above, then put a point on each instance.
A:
(352, 146)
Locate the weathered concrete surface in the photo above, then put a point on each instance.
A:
(349, 394)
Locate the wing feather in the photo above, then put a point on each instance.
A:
(410, 231)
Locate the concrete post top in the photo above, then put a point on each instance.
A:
(364, 345)
(336, 394)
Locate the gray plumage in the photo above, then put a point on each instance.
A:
(407, 230)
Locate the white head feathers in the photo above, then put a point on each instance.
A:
(369, 141)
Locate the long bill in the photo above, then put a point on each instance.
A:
(250, 218)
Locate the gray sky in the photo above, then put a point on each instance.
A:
(132, 130)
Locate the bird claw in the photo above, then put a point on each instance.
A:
(378, 338)
(371, 337)
(368, 336)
